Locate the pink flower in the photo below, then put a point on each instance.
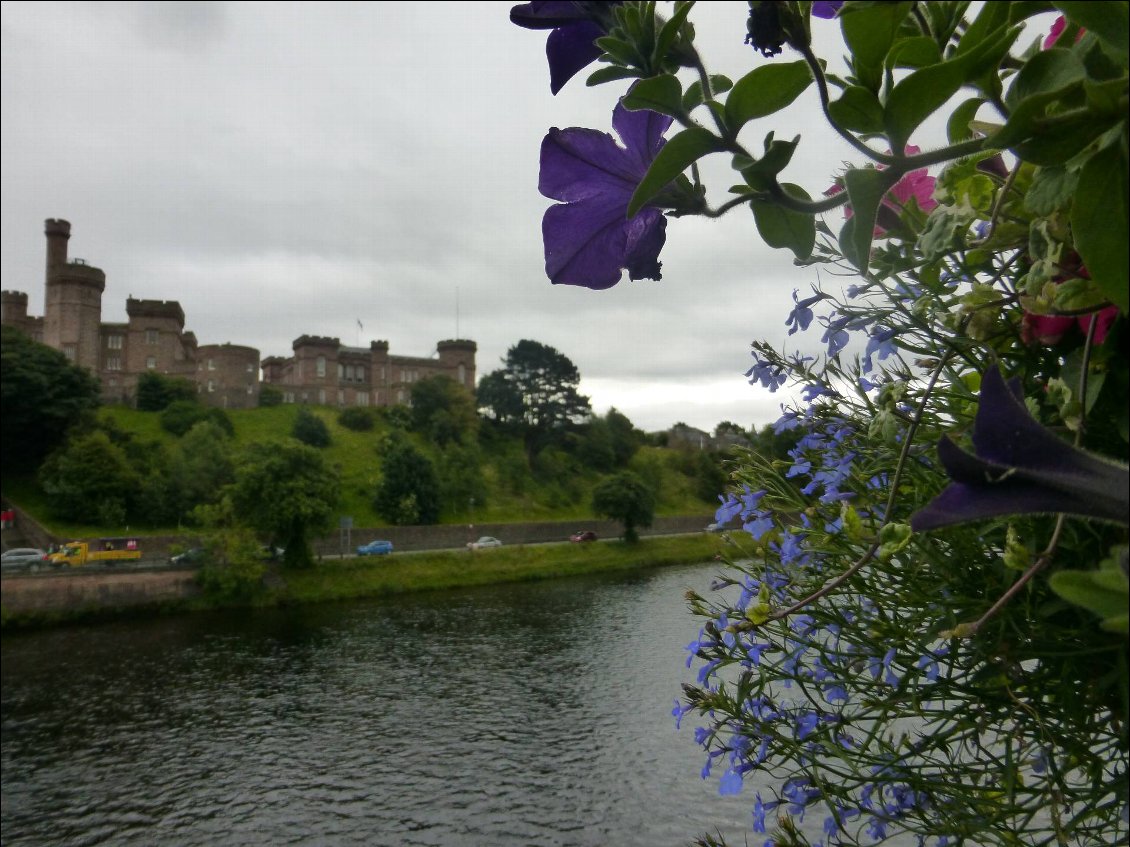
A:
(917, 185)
(1057, 30)
(1049, 330)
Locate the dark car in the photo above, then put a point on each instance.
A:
(583, 535)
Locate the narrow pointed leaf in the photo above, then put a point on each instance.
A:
(1099, 222)
(677, 155)
(865, 188)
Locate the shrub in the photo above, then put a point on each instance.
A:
(357, 418)
(310, 429)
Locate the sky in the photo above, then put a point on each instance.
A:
(370, 171)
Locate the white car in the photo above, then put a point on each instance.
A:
(483, 543)
(23, 558)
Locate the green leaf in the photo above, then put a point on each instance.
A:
(765, 90)
(677, 155)
(925, 91)
(610, 74)
(670, 32)
(992, 20)
(865, 188)
(693, 98)
(958, 128)
(1110, 22)
(1104, 592)
(1099, 222)
(917, 52)
(621, 51)
(1051, 189)
(661, 94)
(858, 110)
(763, 172)
(869, 33)
(781, 227)
(1051, 70)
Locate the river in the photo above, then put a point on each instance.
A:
(532, 714)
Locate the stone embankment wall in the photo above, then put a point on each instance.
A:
(74, 592)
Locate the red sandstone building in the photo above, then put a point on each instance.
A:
(321, 370)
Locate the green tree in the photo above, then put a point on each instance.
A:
(310, 429)
(269, 395)
(199, 469)
(41, 395)
(443, 410)
(536, 392)
(625, 498)
(461, 480)
(408, 492)
(357, 418)
(156, 391)
(90, 480)
(182, 415)
(287, 492)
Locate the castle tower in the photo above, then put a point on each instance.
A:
(457, 358)
(13, 309)
(58, 233)
(72, 315)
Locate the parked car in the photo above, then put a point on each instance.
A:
(23, 559)
(189, 558)
(483, 543)
(583, 535)
(375, 548)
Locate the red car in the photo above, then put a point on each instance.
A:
(584, 535)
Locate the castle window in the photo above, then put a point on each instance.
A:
(151, 362)
(211, 364)
(340, 372)
(250, 388)
(69, 351)
(362, 398)
(113, 363)
(340, 397)
(250, 367)
(113, 342)
(462, 374)
(211, 386)
(321, 366)
(360, 373)
(152, 336)
(322, 396)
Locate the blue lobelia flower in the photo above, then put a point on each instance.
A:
(588, 236)
(1021, 467)
(575, 25)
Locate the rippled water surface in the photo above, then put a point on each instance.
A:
(535, 714)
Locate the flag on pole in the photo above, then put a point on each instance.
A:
(359, 324)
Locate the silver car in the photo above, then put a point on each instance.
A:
(23, 558)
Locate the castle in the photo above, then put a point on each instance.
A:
(321, 370)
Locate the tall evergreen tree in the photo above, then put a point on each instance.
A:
(536, 392)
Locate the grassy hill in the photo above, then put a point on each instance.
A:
(556, 485)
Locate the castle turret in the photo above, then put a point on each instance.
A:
(72, 315)
(58, 232)
(13, 309)
(457, 357)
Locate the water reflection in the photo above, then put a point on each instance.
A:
(513, 715)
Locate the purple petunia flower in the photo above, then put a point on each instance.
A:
(1020, 467)
(588, 236)
(575, 25)
(826, 8)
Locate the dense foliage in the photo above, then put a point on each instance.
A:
(922, 630)
(42, 394)
(408, 492)
(310, 429)
(156, 391)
